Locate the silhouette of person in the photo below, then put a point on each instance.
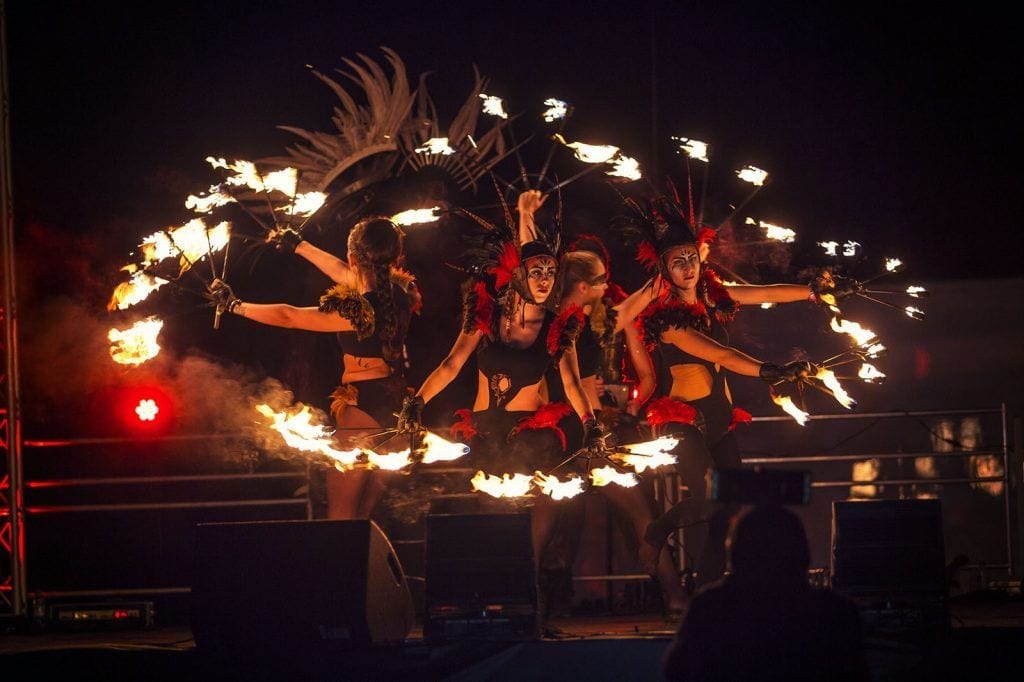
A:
(763, 620)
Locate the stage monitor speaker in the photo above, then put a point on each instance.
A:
(297, 587)
(888, 547)
(480, 577)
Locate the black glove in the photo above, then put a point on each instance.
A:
(285, 239)
(793, 371)
(410, 419)
(844, 286)
(595, 437)
(221, 296)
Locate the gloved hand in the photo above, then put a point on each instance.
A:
(410, 418)
(285, 239)
(793, 371)
(596, 438)
(846, 286)
(221, 296)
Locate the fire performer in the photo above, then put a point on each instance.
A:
(686, 330)
(369, 309)
(516, 339)
(583, 282)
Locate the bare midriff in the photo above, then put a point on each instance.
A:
(363, 369)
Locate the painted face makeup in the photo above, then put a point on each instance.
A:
(683, 265)
(541, 273)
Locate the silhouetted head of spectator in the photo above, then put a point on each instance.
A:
(768, 543)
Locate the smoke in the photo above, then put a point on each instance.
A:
(70, 385)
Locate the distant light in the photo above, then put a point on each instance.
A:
(147, 409)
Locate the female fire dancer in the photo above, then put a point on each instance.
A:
(686, 331)
(516, 338)
(583, 283)
(369, 309)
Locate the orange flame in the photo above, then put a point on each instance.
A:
(607, 475)
(415, 216)
(439, 449)
(649, 454)
(695, 149)
(831, 381)
(301, 433)
(556, 489)
(625, 167)
(135, 345)
(589, 153)
(507, 485)
(753, 175)
(861, 336)
(790, 408)
(869, 373)
(135, 290)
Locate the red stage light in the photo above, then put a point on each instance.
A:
(144, 408)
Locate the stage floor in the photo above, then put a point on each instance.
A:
(984, 641)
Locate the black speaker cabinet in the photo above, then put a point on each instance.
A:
(888, 547)
(480, 577)
(297, 587)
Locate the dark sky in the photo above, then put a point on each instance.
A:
(892, 123)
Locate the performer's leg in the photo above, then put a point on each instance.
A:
(711, 566)
(693, 512)
(634, 504)
(345, 489)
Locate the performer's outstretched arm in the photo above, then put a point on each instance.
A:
(338, 270)
(283, 315)
(753, 294)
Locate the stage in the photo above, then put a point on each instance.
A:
(984, 641)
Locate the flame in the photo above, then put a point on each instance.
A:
(782, 234)
(246, 175)
(649, 454)
(830, 247)
(434, 146)
(695, 149)
(607, 475)
(916, 291)
(893, 264)
(135, 290)
(556, 109)
(914, 313)
(860, 335)
(625, 167)
(416, 216)
(831, 381)
(754, 176)
(305, 204)
(870, 373)
(874, 351)
(590, 153)
(440, 450)
(204, 204)
(392, 461)
(790, 408)
(135, 345)
(192, 241)
(300, 433)
(850, 247)
(493, 105)
(507, 485)
(556, 489)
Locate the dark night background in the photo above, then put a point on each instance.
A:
(892, 124)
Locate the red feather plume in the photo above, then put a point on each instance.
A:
(667, 409)
(564, 329)
(546, 417)
(508, 261)
(647, 256)
(739, 416)
(464, 429)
